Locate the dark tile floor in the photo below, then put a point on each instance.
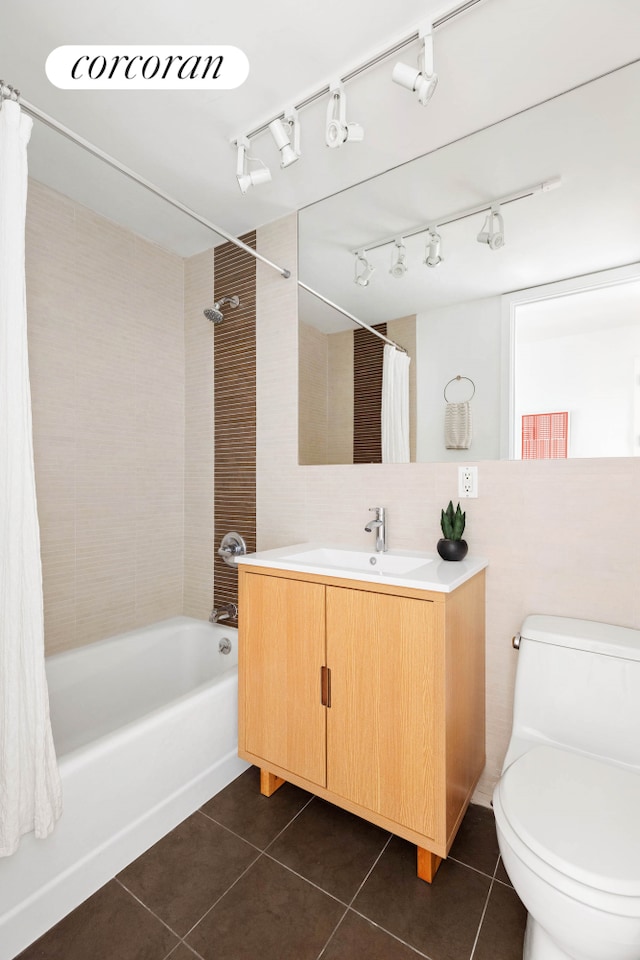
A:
(295, 878)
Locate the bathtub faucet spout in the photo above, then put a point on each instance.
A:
(226, 611)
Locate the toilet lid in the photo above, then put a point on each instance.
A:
(580, 815)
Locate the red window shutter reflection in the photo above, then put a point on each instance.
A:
(544, 436)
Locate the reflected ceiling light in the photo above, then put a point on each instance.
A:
(424, 80)
(289, 152)
(432, 256)
(492, 232)
(399, 261)
(364, 269)
(338, 131)
(246, 177)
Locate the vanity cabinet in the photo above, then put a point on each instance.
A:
(370, 696)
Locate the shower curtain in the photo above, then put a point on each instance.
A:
(30, 792)
(395, 406)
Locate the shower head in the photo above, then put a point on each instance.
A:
(215, 314)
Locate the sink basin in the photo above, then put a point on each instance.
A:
(418, 570)
(360, 561)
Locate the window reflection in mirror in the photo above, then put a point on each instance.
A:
(576, 368)
(589, 138)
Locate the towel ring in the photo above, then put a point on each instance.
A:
(460, 378)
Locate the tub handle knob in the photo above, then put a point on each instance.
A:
(231, 547)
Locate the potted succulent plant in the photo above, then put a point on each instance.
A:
(452, 546)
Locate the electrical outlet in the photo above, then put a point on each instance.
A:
(467, 481)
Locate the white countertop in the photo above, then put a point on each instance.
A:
(436, 574)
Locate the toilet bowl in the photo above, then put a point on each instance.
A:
(569, 834)
(567, 805)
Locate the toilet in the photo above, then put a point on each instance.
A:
(567, 805)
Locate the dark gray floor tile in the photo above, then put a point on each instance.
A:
(476, 843)
(183, 874)
(501, 874)
(440, 919)
(110, 925)
(502, 932)
(242, 808)
(357, 937)
(330, 847)
(271, 914)
(183, 952)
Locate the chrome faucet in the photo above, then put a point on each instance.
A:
(379, 525)
(226, 611)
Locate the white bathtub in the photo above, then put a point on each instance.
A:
(145, 726)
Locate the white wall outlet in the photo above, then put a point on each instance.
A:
(467, 481)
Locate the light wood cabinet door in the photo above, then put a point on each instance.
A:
(282, 650)
(385, 728)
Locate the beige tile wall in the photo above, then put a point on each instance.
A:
(561, 537)
(114, 418)
(340, 400)
(313, 368)
(106, 350)
(199, 437)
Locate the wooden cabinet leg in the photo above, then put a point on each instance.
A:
(428, 864)
(269, 783)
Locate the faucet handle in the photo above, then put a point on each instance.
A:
(379, 511)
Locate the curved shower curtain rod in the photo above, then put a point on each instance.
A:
(33, 111)
(350, 316)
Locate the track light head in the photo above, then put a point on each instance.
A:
(249, 178)
(289, 152)
(492, 232)
(364, 270)
(338, 131)
(424, 80)
(399, 262)
(432, 253)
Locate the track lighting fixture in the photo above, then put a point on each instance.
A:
(492, 232)
(399, 261)
(364, 269)
(338, 130)
(432, 256)
(288, 153)
(250, 178)
(424, 80)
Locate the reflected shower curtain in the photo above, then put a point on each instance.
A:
(395, 406)
(30, 792)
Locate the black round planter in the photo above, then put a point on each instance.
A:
(452, 549)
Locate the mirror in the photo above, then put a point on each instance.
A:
(461, 317)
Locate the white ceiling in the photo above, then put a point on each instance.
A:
(588, 137)
(493, 61)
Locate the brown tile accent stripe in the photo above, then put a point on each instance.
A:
(368, 352)
(234, 410)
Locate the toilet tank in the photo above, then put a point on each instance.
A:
(577, 686)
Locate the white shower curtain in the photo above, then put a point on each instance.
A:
(30, 792)
(395, 406)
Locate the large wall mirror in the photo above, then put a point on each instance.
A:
(546, 323)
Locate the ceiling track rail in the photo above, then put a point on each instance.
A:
(439, 20)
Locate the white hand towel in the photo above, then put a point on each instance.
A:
(457, 426)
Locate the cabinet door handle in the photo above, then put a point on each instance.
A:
(325, 686)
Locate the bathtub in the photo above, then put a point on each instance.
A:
(145, 727)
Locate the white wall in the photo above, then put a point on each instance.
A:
(545, 526)
(591, 376)
(463, 339)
